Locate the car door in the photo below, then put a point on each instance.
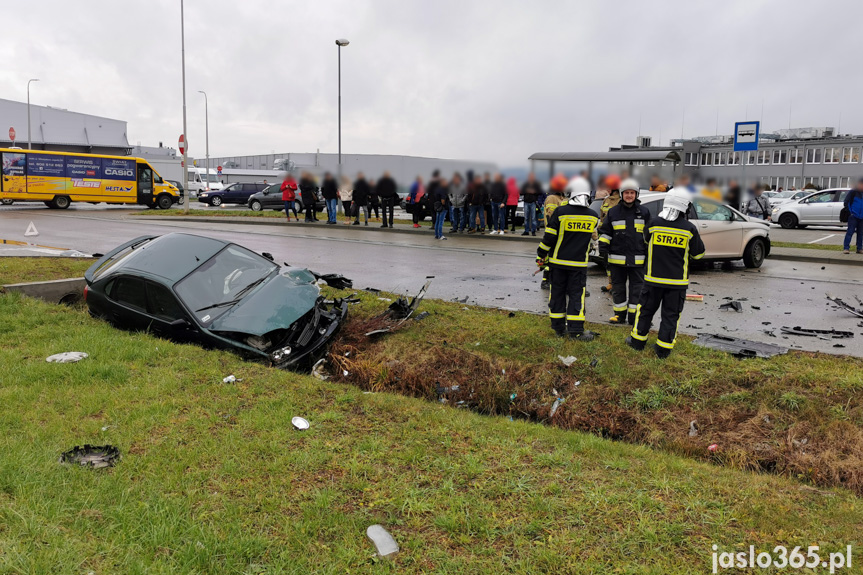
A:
(818, 208)
(167, 316)
(233, 194)
(128, 308)
(838, 204)
(273, 197)
(720, 229)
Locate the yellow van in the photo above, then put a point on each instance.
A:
(60, 178)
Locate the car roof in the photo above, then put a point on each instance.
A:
(172, 256)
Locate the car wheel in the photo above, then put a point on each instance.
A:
(164, 202)
(7, 202)
(216, 201)
(754, 254)
(256, 206)
(788, 221)
(61, 202)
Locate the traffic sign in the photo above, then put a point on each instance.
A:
(12, 133)
(182, 144)
(219, 169)
(746, 136)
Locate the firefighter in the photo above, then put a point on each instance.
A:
(555, 198)
(671, 242)
(565, 247)
(621, 242)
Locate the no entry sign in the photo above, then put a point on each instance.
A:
(12, 134)
(182, 144)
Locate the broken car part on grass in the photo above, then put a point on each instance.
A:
(196, 289)
(95, 456)
(399, 312)
(849, 308)
(738, 347)
(732, 305)
(66, 357)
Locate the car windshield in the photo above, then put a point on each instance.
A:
(782, 195)
(222, 280)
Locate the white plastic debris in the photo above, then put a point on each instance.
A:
(316, 369)
(66, 357)
(555, 405)
(693, 431)
(300, 423)
(345, 372)
(230, 379)
(568, 360)
(383, 541)
(384, 299)
(577, 383)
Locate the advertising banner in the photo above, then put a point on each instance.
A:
(13, 166)
(45, 174)
(114, 169)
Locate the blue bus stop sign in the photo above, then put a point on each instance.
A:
(746, 136)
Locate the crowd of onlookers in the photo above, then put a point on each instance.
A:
(473, 203)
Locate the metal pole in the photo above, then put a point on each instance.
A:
(340, 113)
(207, 132)
(29, 142)
(185, 136)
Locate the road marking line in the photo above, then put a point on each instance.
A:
(822, 239)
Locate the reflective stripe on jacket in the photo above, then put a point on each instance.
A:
(670, 245)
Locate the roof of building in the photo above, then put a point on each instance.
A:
(614, 156)
(56, 126)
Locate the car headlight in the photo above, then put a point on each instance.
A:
(281, 354)
(204, 194)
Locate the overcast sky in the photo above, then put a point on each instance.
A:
(493, 80)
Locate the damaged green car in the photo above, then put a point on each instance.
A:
(218, 294)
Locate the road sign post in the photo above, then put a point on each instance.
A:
(746, 136)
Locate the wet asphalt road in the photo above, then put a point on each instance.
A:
(489, 271)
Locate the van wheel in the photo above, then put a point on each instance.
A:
(7, 202)
(164, 202)
(755, 253)
(61, 202)
(788, 221)
(256, 206)
(216, 201)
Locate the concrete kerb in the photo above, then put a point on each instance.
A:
(791, 254)
(67, 291)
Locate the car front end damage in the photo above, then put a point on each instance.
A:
(296, 347)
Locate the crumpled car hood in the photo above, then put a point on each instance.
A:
(276, 304)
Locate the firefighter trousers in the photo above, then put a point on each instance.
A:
(620, 276)
(671, 299)
(566, 299)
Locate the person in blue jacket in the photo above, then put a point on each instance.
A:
(854, 205)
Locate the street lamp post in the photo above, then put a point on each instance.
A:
(207, 133)
(29, 141)
(185, 132)
(340, 42)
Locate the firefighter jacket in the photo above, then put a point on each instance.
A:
(566, 242)
(621, 234)
(670, 245)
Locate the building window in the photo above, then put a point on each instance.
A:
(779, 157)
(813, 156)
(719, 158)
(831, 181)
(831, 155)
(844, 182)
(795, 156)
(763, 157)
(750, 158)
(733, 158)
(793, 182)
(851, 155)
(690, 159)
(706, 159)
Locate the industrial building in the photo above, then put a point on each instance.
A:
(60, 130)
(785, 159)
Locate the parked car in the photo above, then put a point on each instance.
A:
(270, 198)
(238, 193)
(179, 185)
(818, 208)
(727, 234)
(196, 289)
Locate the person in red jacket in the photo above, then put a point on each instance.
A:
(289, 195)
(512, 196)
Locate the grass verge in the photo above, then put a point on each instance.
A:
(825, 247)
(215, 480)
(18, 270)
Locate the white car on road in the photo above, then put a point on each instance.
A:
(818, 208)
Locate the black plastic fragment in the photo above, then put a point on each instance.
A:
(738, 347)
(95, 456)
(819, 333)
(732, 305)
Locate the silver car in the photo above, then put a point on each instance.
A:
(818, 208)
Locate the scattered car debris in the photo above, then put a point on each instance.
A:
(738, 347)
(712, 447)
(422, 315)
(316, 369)
(732, 305)
(555, 405)
(568, 360)
(372, 290)
(384, 299)
(694, 297)
(66, 357)
(594, 362)
(95, 456)
(384, 542)
(511, 314)
(756, 307)
(401, 309)
(838, 345)
(230, 379)
(849, 308)
(300, 423)
(693, 429)
(819, 333)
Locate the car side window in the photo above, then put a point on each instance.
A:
(707, 210)
(130, 292)
(820, 198)
(842, 195)
(161, 303)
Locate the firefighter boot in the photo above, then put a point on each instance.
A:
(619, 318)
(634, 343)
(661, 352)
(583, 335)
